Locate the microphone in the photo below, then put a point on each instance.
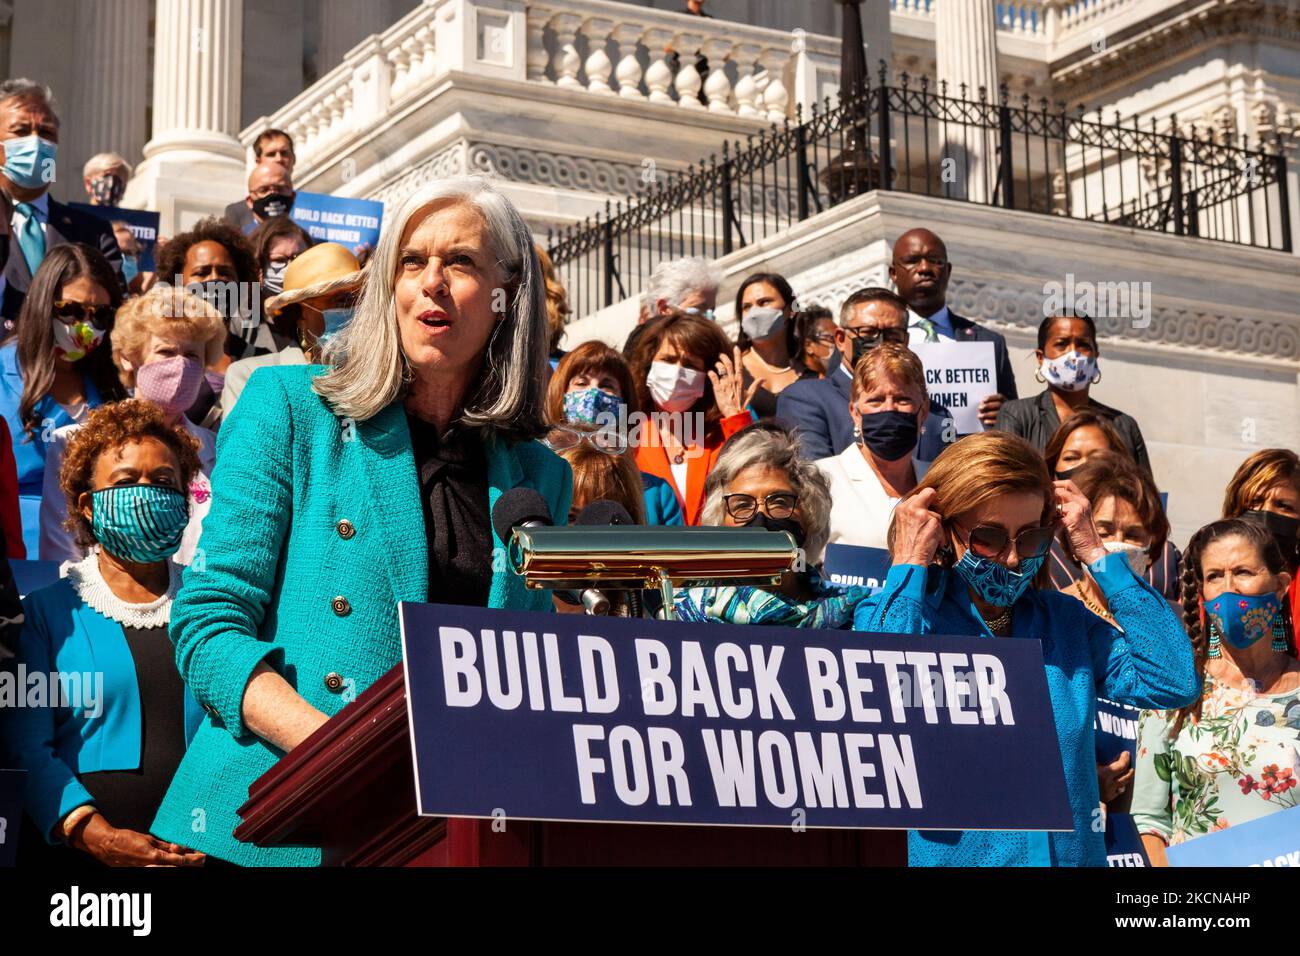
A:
(604, 512)
(519, 508)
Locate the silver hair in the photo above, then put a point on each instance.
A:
(369, 370)
(676, 279)
(25, 89)
(769, 444)
(102, 162)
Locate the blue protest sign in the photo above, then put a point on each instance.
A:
(1116, 730)
(349, 222)
(1272, 840)
(11, 813)
(849, 564)
(1123, 844)
(31, 576)
(142, 223)
(567, 717)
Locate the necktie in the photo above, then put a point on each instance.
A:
(31, 237)
(928, 327)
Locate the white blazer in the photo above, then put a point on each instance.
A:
(860, 508)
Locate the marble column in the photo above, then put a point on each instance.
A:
(965, 42)
(194, 163)
(110, 48)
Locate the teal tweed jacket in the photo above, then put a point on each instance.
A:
(316, 532)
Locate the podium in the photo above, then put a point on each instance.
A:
(350, 789)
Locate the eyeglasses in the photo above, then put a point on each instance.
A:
(702, 313)
(607, 440)
(990, 542)
(778, 505)
(68, 311)
(873, 336)
(822, 338)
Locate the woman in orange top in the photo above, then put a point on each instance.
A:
(687, 375)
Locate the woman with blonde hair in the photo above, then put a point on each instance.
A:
(1266, 489)
(557, 305)
(348, 487)
(967, 546)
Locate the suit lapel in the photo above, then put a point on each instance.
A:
(394, 491)
(59, 227)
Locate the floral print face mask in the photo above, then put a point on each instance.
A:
(1243, 619)
(1071, 372)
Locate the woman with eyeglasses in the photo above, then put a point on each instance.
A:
(889, 404)
(967, 547)
(761, 481)
(57, 363)
(591, 398)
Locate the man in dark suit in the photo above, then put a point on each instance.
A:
(819, 407)
(271, 146)
(920, 271)
(29, 135)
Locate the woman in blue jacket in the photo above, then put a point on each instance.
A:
(986, 511)
(57, 363)
(101, 747)
(342, 489)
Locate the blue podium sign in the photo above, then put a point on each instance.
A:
(566, 717)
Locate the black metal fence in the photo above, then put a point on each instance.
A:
(910, 138)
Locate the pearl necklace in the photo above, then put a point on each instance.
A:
(771, 368)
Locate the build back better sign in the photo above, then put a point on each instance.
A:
(567, 717)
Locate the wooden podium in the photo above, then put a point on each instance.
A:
(350, 789)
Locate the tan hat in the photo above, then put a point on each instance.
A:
(323, 269)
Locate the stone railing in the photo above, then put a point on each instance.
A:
(593, 47)
(1048, 20)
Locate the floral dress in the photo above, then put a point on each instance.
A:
(1240, 761)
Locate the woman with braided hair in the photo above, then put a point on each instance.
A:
(1231, 756)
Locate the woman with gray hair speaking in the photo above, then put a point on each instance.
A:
(344, 488)
(760, 480)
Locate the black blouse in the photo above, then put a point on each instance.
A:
(452, 469)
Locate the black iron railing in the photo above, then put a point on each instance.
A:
(909, 138)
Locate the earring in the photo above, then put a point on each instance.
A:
(1279, 634)
(1096, 378)
(1214, 651)
(857, 433)
(1038, 376)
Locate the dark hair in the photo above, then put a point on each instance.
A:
(1110, 474)
(1056, 444)
(34, 330)
(266, 136)
(1045, 326)
(277, 227)
(782, 287)
(588, 358)
(171, 260)
(1193, 617)
(1256, 475)
(872, 294)
(691, 333)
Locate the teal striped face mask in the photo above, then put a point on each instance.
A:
(140, 523)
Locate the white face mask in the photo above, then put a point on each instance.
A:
(761, 322)
(1072, 371)
(1138, 559)
(675, 388)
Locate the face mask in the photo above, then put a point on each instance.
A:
(273, 277)
(141, 523)
(591, 406)
(675, 388)
(1067, 474)
(273, 205)
(107, 190)
(1138, 559)
(1283, 528)
(335, 321)
(996, 583)
(860, 348)
(761, 520)
(171, 383)
(1242, 619)
(761, 323)
(1071, 372)
(130, 268)
(74, 342)
(890, 435)
(30, 161)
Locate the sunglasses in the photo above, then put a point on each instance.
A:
(67, 312)
(744, 507)
(989, 542)
(874, 337)
(607, 440)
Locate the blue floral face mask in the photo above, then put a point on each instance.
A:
(141, 523)
(996, 583)
(591, 406)
(1243, 619)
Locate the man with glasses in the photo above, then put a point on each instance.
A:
(819, 407)
(920, 271)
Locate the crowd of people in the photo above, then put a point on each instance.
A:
(240, 497)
